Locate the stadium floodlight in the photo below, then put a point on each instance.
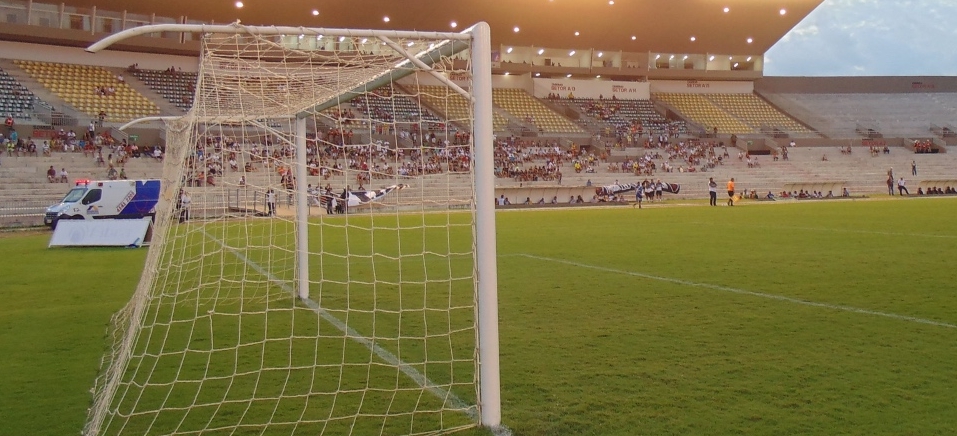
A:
(257, 312)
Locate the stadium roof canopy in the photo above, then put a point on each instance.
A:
(716, 26)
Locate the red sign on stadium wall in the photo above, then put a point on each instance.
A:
(702, 86)
(571, 88)
(40, 133)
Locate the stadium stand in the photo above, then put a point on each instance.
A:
(757, 113)
(382, 105)
(176, 86)
(891, 114)
(523, 106)
(624, 115)
(453, 106)
(15, 99)
(90, 89)
(700, 110)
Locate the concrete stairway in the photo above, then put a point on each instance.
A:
(26, 192)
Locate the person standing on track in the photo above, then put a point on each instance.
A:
(712, 191)
(639, 195)
(731, 192)
(902, 187)
(270, 203)
(890, 182)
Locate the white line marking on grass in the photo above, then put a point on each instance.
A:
(827, 229)
(386, 355)
(742, 291)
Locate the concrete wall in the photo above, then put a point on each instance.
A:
(108, 58)
(855, 85)
(517, 194)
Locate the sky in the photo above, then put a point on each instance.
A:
(870, 38)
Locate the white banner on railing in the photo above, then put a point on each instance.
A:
(702, 86)
(571, 88)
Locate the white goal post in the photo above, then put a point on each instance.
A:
(255, 280)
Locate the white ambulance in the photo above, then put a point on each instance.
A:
(116, 199)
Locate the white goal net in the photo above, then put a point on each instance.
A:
(316, 260)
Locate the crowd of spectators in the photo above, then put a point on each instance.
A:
(105, 150)
(937, 191)
(526, 160)
(923, 146)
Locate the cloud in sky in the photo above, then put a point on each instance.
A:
(870, 38)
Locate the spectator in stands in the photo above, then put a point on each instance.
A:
(770, 196)
(913, 167)
(64, 176)
(9, 123)
(921, 191)
(13, 137)
(890, 184)
(845, 192)
(51, 174)
(901, 188)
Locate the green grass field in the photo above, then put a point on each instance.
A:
(833, 317)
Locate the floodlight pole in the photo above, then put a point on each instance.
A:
(302, 210)
(490, 398)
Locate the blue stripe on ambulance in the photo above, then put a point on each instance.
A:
(145, 198)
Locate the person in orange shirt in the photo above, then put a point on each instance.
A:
(731, 192)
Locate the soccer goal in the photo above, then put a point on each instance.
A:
(323, 259)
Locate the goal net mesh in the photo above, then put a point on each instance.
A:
(215, 339)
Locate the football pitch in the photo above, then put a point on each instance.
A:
(797, 318)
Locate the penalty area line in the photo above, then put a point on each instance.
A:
(420, 379)
(741, 291)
